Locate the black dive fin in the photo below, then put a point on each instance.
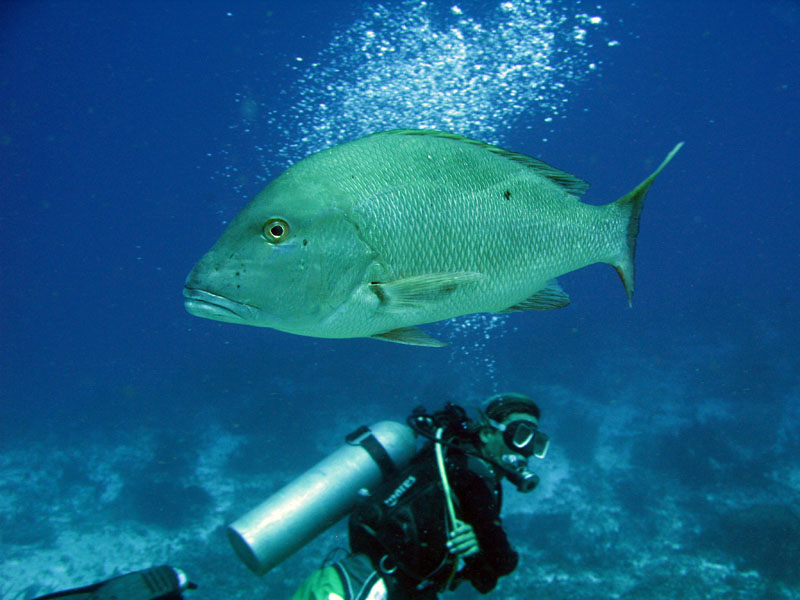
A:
(156, 583)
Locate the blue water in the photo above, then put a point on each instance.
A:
(131, 432)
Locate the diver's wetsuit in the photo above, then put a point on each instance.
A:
(478, 497)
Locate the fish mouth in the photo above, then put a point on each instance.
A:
(202, 303)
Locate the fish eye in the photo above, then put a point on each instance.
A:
(275, 230)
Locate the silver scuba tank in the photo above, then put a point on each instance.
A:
(304, 508)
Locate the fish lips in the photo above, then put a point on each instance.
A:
(202, 303)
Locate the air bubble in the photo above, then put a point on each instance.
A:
(408, 65)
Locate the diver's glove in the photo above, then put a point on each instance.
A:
(463, 542)
(155, 583)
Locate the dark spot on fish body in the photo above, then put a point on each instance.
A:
(507, 194)
(305, 242)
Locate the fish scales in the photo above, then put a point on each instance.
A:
(420, 218)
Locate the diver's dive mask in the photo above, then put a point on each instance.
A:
(523, 437)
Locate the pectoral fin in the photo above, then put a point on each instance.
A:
(548, 298)
(412, 292)
(412, 336)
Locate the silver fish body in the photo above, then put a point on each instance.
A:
(376, 236)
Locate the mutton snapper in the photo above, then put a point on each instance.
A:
(376, 236)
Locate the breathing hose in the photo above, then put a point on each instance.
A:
(454, 523)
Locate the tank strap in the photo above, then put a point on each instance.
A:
(364, 437)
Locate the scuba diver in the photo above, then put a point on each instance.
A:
(436, 523)
(422, 520)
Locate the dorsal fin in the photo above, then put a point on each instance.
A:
(567, 181)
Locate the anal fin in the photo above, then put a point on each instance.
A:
(413, 336)
(549, 297)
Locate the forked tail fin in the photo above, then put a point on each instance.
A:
(631, 204)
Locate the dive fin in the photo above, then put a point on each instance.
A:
(632, 203)
(548, 298)
(413, 336)
(420, 289)
(155, 583)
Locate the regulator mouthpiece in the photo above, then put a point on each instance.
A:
(517, 472)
